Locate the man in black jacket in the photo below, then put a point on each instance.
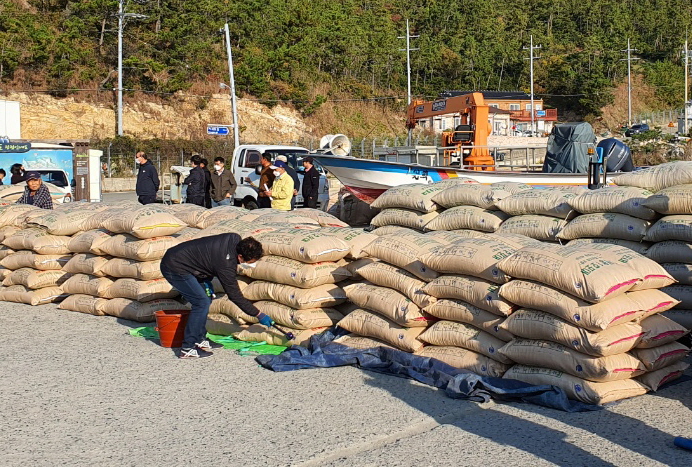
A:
(196, 182)
(311, 183)
(147, 179)
(223, 184)
(204, 164)
(188, 265)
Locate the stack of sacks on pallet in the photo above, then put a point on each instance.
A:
(538, 214)
(389, 304)
(295, 283)
(618, 215)
(590, 321)
(408, 206)
(468, 303)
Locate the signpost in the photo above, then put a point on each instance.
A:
(218, 130)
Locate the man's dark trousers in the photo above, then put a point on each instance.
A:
(147, 199)
(198, 200)
(193, 291)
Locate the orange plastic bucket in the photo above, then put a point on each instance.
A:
(171, 327)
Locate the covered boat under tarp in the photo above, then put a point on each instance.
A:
(568, 148)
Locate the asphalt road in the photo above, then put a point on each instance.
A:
(79, 390)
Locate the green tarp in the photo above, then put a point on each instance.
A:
(567, 148)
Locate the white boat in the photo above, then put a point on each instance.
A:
(367, 179)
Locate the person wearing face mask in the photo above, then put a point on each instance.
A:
(282, 190)
(36, 193)
(195, 182)
(294, 175)
(223, 184)
(190, 265)
(147, 179)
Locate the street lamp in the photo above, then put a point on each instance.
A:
(122, 16)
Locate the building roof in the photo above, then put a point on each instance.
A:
(504, 95)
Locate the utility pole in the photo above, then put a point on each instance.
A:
(408, 50)
(531, 48)
(236, 130)
(629, 59)
(684, 107)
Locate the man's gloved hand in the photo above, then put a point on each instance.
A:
(265, 320)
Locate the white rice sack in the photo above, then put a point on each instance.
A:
(417, 197)
(482, 196)
(467, 217)
(542, 228)
(545, 202)
(605, 225)
(677, 227)
(658, 177)
(403, 217)
(631, 201)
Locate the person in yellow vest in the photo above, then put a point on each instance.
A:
(282, 189)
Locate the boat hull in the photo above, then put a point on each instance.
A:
(367, 179)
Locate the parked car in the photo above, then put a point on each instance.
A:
(636, 129)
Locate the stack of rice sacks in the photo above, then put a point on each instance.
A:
(590, 321)
(295, 283)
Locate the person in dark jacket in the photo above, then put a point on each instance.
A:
(36, 192)
(266, 181)
(311, 183)
(147, 179)
(294, 175)
(17, 171)
(190, 266)
(223, 184)
(196, 182)
(207, 183)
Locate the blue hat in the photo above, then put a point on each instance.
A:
(33, 174)
(279, 165)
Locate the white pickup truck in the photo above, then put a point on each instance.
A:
(246, 160)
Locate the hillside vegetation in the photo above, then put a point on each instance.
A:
(325, 51)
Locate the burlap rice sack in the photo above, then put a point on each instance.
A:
(542, 228)
(282, 218)
(7, 231)
(356, 239)
(221, 325)
(457, 310)
(482, 196)
(88, 285)
(387, 302)
(360, 342)
(596, 317)
(386, 275)
(638, 247)
(34, 279)
(142, 270)
(465, 359)
(38, 240)
(13, 293)
(556, 356)
(259, 333)
(63, 223)
(29, 259)
(453, 236)
(354, 267)
(291, 272)
(303, 245)
(215, 215)
(308, 318)
(43, 295)
(478, 292)
(455, 334)
(539, 325)
(89, 241)
(655, 379)
(405, 251)
(369, 324)
(188, 233)
(138, 311)
(605, 225)
(577, 270)
(512, 187)
(470, 256)
(624, 200)
(14, 214)
(5, 251)
(677, 227)
(142, 291)
(454, 181)
(83, 304)
(467, 217)
(578, 388)
(323, 218)
(85, 263)
(403, 217)
(190, 213)
(659, 357)
(127, 246)
(391, 229)
(144, 222)
(658, 177)
(673, 200)
(223, 306)
(517, 241)
(327, 295)
(681, 272)
(670, 251)
(659, 330)
(546, 202)
(417, 197)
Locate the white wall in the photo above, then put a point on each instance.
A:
(9, 119)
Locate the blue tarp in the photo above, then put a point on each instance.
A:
(457, 384)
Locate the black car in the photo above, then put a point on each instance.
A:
(636, 129)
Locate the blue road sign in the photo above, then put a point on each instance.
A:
(217, 130)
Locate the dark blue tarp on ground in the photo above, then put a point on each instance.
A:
(457, 384)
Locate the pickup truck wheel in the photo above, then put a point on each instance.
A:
(250, 204)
